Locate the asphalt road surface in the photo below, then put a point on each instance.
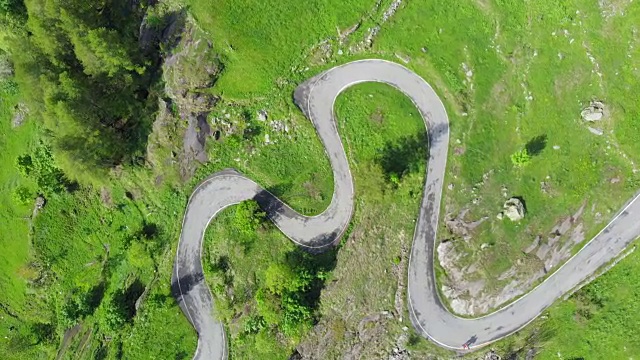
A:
(316, 98)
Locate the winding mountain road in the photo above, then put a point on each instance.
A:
(316, 99)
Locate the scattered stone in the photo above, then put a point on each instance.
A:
(615, 180)
(279, 126)
(484, 246)
(544, 187)
(340, 52)
(266, 139)
(491, 355)
(262, 115)
(594, 112)
(38, 205)
(40, 202)
(595, 131)
(500, 216)
(513, 209)
(556, 147)
(450, 186)
(20, 113)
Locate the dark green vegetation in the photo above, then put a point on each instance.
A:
(82, 69)
(266, 289)
(89, 276)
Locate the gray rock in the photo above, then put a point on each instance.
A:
(595, 131)
(262, 115)
(593, 112)
(20, 113)
(513, 209)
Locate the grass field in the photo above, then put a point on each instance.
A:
(599, 321)
(14, 223)
(263, 41)
(507, 81)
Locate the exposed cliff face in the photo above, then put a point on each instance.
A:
(189, 70)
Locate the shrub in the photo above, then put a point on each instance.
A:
(23, 195)
(520, 158)
(248, 217)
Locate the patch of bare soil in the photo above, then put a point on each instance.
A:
(377, 116)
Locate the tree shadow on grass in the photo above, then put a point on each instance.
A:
(125, 300)
(403, 156)
(536, 145)
(407, 155)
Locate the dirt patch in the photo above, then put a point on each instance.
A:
(500, 97)
(565, 83)
(377, 116)
(312, 189)
(105, 197)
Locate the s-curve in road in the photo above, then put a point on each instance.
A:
(316, 98)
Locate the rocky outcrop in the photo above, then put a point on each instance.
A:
(459, 227)
(190, 68)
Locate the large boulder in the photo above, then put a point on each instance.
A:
(593, 112)
(513, 209)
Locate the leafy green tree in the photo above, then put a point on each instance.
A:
(138, 256)
(268, 306)
(248, 218)
(280, 278)
(39, 165)
(82, 69)
(113, 317)
(23, 195)
(12, 8)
